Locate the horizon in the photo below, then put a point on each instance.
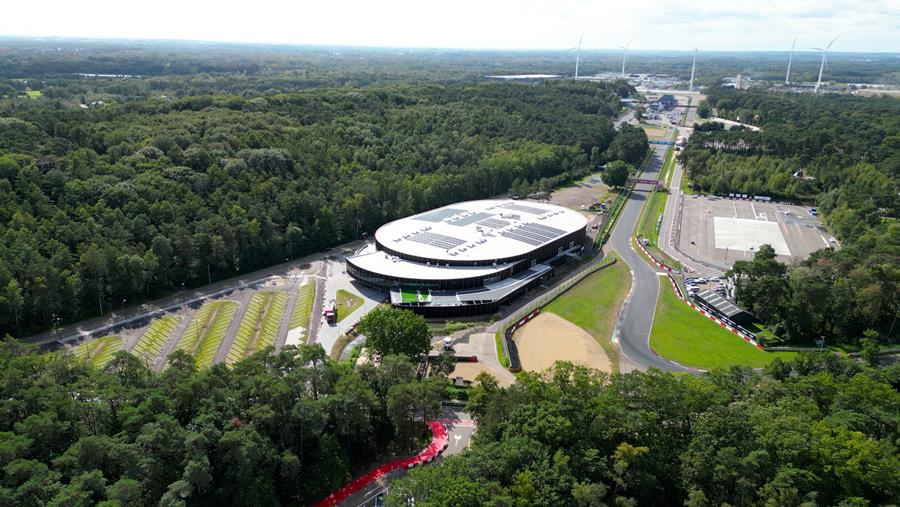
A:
(864, 26)
(237, 43)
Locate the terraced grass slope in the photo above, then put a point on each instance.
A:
(155, 338)
(303, 306)
(259, 325)
(205, 332)
(98, 352)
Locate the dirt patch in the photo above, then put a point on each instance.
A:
(588, 191)
(549, 338)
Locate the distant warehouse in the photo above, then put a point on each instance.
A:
(470, 257)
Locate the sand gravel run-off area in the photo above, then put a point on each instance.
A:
(549, 338)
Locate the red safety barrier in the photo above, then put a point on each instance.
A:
(438, 444)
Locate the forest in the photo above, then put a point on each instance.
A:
(818, 430)
(276, 429)
(132, 200)
(840, 154)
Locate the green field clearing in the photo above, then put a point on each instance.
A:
(155, 338)
(303, 306)
(33, 93)
(593, 304)
(665, 174)
(98, 352)
(347, 303)
(681, 334)
(205, 332)
(259, 325)
(652, 212)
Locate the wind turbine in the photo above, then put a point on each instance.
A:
(787, 78)
(822, 65)
(577, 55)
(693, 66)
(624, 53)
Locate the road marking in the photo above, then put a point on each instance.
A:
(456, 440)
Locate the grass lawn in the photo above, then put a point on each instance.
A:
(504, 361)
(100, 351)
(593, 305)
(347, 303)
(303, 306)
(681, 334)
(411, 295)
(33, 94)
(654, 210)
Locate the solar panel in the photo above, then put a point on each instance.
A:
(438, 214)
(526, 209)
(494, 223)
(471, 219)
(551, 230)
(436, 240)
(521, 237)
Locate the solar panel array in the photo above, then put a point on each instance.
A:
(471, 219)
(438, 214)
(525, 209)
(494, 223)
(436, 240)
(533, 234)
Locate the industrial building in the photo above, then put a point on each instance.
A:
(470, 257)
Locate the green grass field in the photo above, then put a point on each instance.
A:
(347, 303)
(594, 303)
(33, 94)
(98, 352)
(259, 325)
(681, 334)
(205, 332)
(155, 338)
(303, 306)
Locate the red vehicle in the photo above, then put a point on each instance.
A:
(330, 312)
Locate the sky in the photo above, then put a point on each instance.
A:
(728, 25)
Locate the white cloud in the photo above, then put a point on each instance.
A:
(864, 25)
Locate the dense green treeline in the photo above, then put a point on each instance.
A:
(840, 152)
(275, 429)
(190, 68)
(132, 200)
(815, 431)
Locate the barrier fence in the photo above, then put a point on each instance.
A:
(427, 455)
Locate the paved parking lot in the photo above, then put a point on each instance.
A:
(720, 231)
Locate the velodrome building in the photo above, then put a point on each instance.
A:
(468, 258)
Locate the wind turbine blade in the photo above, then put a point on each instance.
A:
(817, 49)
(579, 41)
(629, 44)
(794, 44)
(833, 41)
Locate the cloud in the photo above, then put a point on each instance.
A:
(652, 24)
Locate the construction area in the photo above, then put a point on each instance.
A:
(717, 231)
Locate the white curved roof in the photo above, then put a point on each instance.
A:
(480, 230)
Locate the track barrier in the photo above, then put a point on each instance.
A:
(435, 448)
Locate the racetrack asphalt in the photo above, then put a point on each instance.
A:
(634, 334)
